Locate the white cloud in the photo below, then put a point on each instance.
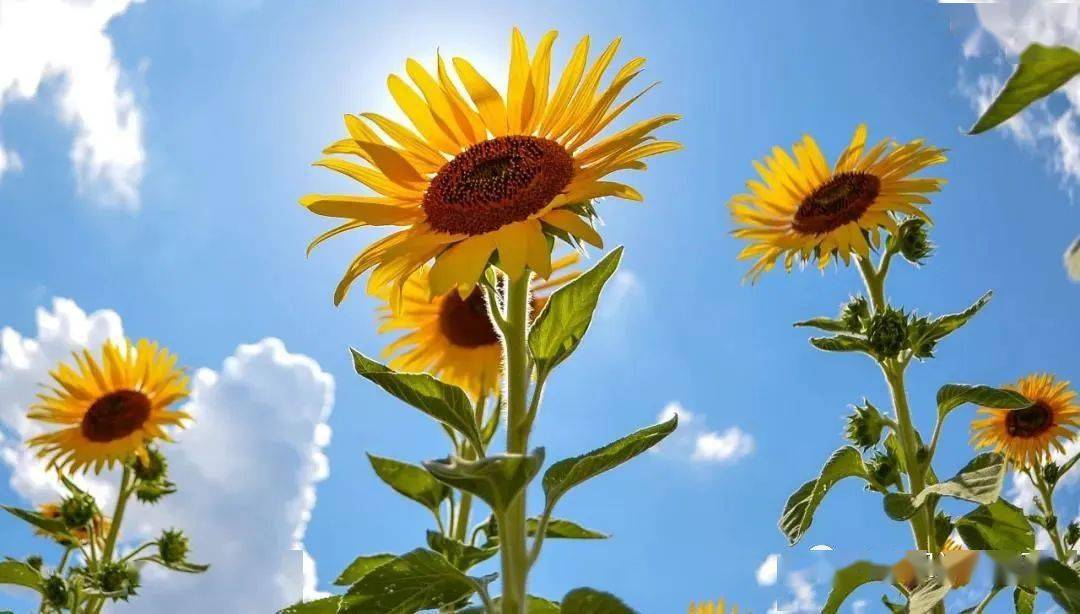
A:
(821, 548)
(65, 40)
(694, 441)
(860, 606)
(803, 589)
(247, 468)
(9, 162)
(767, 572)
(1014, 25)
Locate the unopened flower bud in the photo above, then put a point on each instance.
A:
(173, 546)
(35, 561)
(1051, 473)
(885, 468)
(914, 242)
(864, 426)
(152, 492)
(1072, 534)
(887, 333)
(854, 313)
(120, 580)
(78, 511)
(154, 468)
(55, 591)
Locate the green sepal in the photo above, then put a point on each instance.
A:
(1041, 71)
(411, 481)
(496, 479)
(181, 566)
(800, 507)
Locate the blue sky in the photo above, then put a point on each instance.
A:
(237, 99)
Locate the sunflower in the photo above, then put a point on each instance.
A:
(802, 211)
(111, 408)
(1026, 435)
(101, 526)
(958, 562)
(452, 337)
(707, 607)
(500, 175)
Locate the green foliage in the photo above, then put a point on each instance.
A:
(19, 573)
(1023, 601)
(415, 581)
(461, 555)
(800, 508)
(979, 481)
(568, 473)
(864, 425)
(54, 526)
(841, 343)
(443, 402)
(591, 601)
(496, 479)
(846, 580)
(925, 333)
(533, 605)
(410, 481)
(362, 566)
(997, 526)
(562, 324)
(951, 396)
(1061, 582)
(1041, 71)
(327, 605)
(563, 529)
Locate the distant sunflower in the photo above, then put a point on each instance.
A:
(111, 408)
(452, 337)
(1027, 435)
(801, 210)
(497, 176)
(959, 564)
(707, 607)
(101, 526)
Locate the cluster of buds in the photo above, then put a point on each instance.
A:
(151, 475)
(117, 580)
(887, 333)
(884, 466)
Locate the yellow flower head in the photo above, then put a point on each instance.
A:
(451, 337)
(707, 607)
(1026, 436)
(110, 407)
(479, 174)
(801, 210)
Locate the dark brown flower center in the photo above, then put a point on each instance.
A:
(497, 182)
(115, 416)
(465, 322)
(840, 200)
(1030, 421)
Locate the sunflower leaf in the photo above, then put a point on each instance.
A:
(461, 555)
(565, 318)
(568, 473)
(533, 605)
(327, 605)
(830, 324)
(841, 343)
(18, 573)
(415, 581)
(562, 529)
(846, 580)
(924, 333)
(446, 403)
(951, 396)
(411, 481)
(362, 566)
(54, 526)
(799, 511)
(1041, 71)
(592, 601)
(1023, 600)
(1061, 581)
(980, 481)
(997, 526)
(496, 479)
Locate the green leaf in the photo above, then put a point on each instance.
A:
(181, 566)
(563, 529)
(924, 333)
(830, 324)
(951, 396)
(49, 525)
(411, 481)
(461, 555)
(801, 506)
(927, 595)
(850, 578)
(443, 402)
(591, 601)
(328, 605)
(980, 481)
(496, 479)
(1061, 581)
(415, 581)
(998, 526)
(568, 473)
(841, 343)
(562, 323)
(1023, 601)
(1041, 71)
(19, 573)
(362, 566)
(533, 605)
(899, 506)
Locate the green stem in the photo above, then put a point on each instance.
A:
(1047, 494)
(986, 600)
(95, 605)
(512, 529)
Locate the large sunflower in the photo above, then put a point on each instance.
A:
(495, 176)
(452, 337)
(110, 408)
(1027, 435)
(801, 210)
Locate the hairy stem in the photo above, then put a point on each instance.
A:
(1046, 492)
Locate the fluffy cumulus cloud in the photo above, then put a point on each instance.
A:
(803, 586)
(767, 572)
(247, 468)
(693, 439)
(66, 41)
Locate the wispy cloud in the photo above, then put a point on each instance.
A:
(768, 571)
(693, 440)
(64, 40)
(803, 587)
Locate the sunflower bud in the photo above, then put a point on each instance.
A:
(914, 242)
(119, 580)
(173, 547)
(78, 511)
(1072, 535)
(864, 426)
(1051, 473)
(35, 562)
(154, 468)
(152, 492)
(887, 333)
(54, 590)
(854, 313)
(885, 468)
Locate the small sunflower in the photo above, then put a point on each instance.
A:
(708, 607)
(500, 175)
(959, 564)
(801, 210)
(101, 526)
(452, 337)
(111, 408)
(1026, 435)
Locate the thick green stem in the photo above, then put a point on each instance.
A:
(1047, 494)
(96, 604)
(512, 529)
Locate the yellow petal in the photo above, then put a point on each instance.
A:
(541, 78)
(568, 83)
(393, 165)
(486, 98)
(420, 115)
(519, 91)
(573, 224)
(462, 264)
(369, 209)
(537, 249)
(510, 241)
